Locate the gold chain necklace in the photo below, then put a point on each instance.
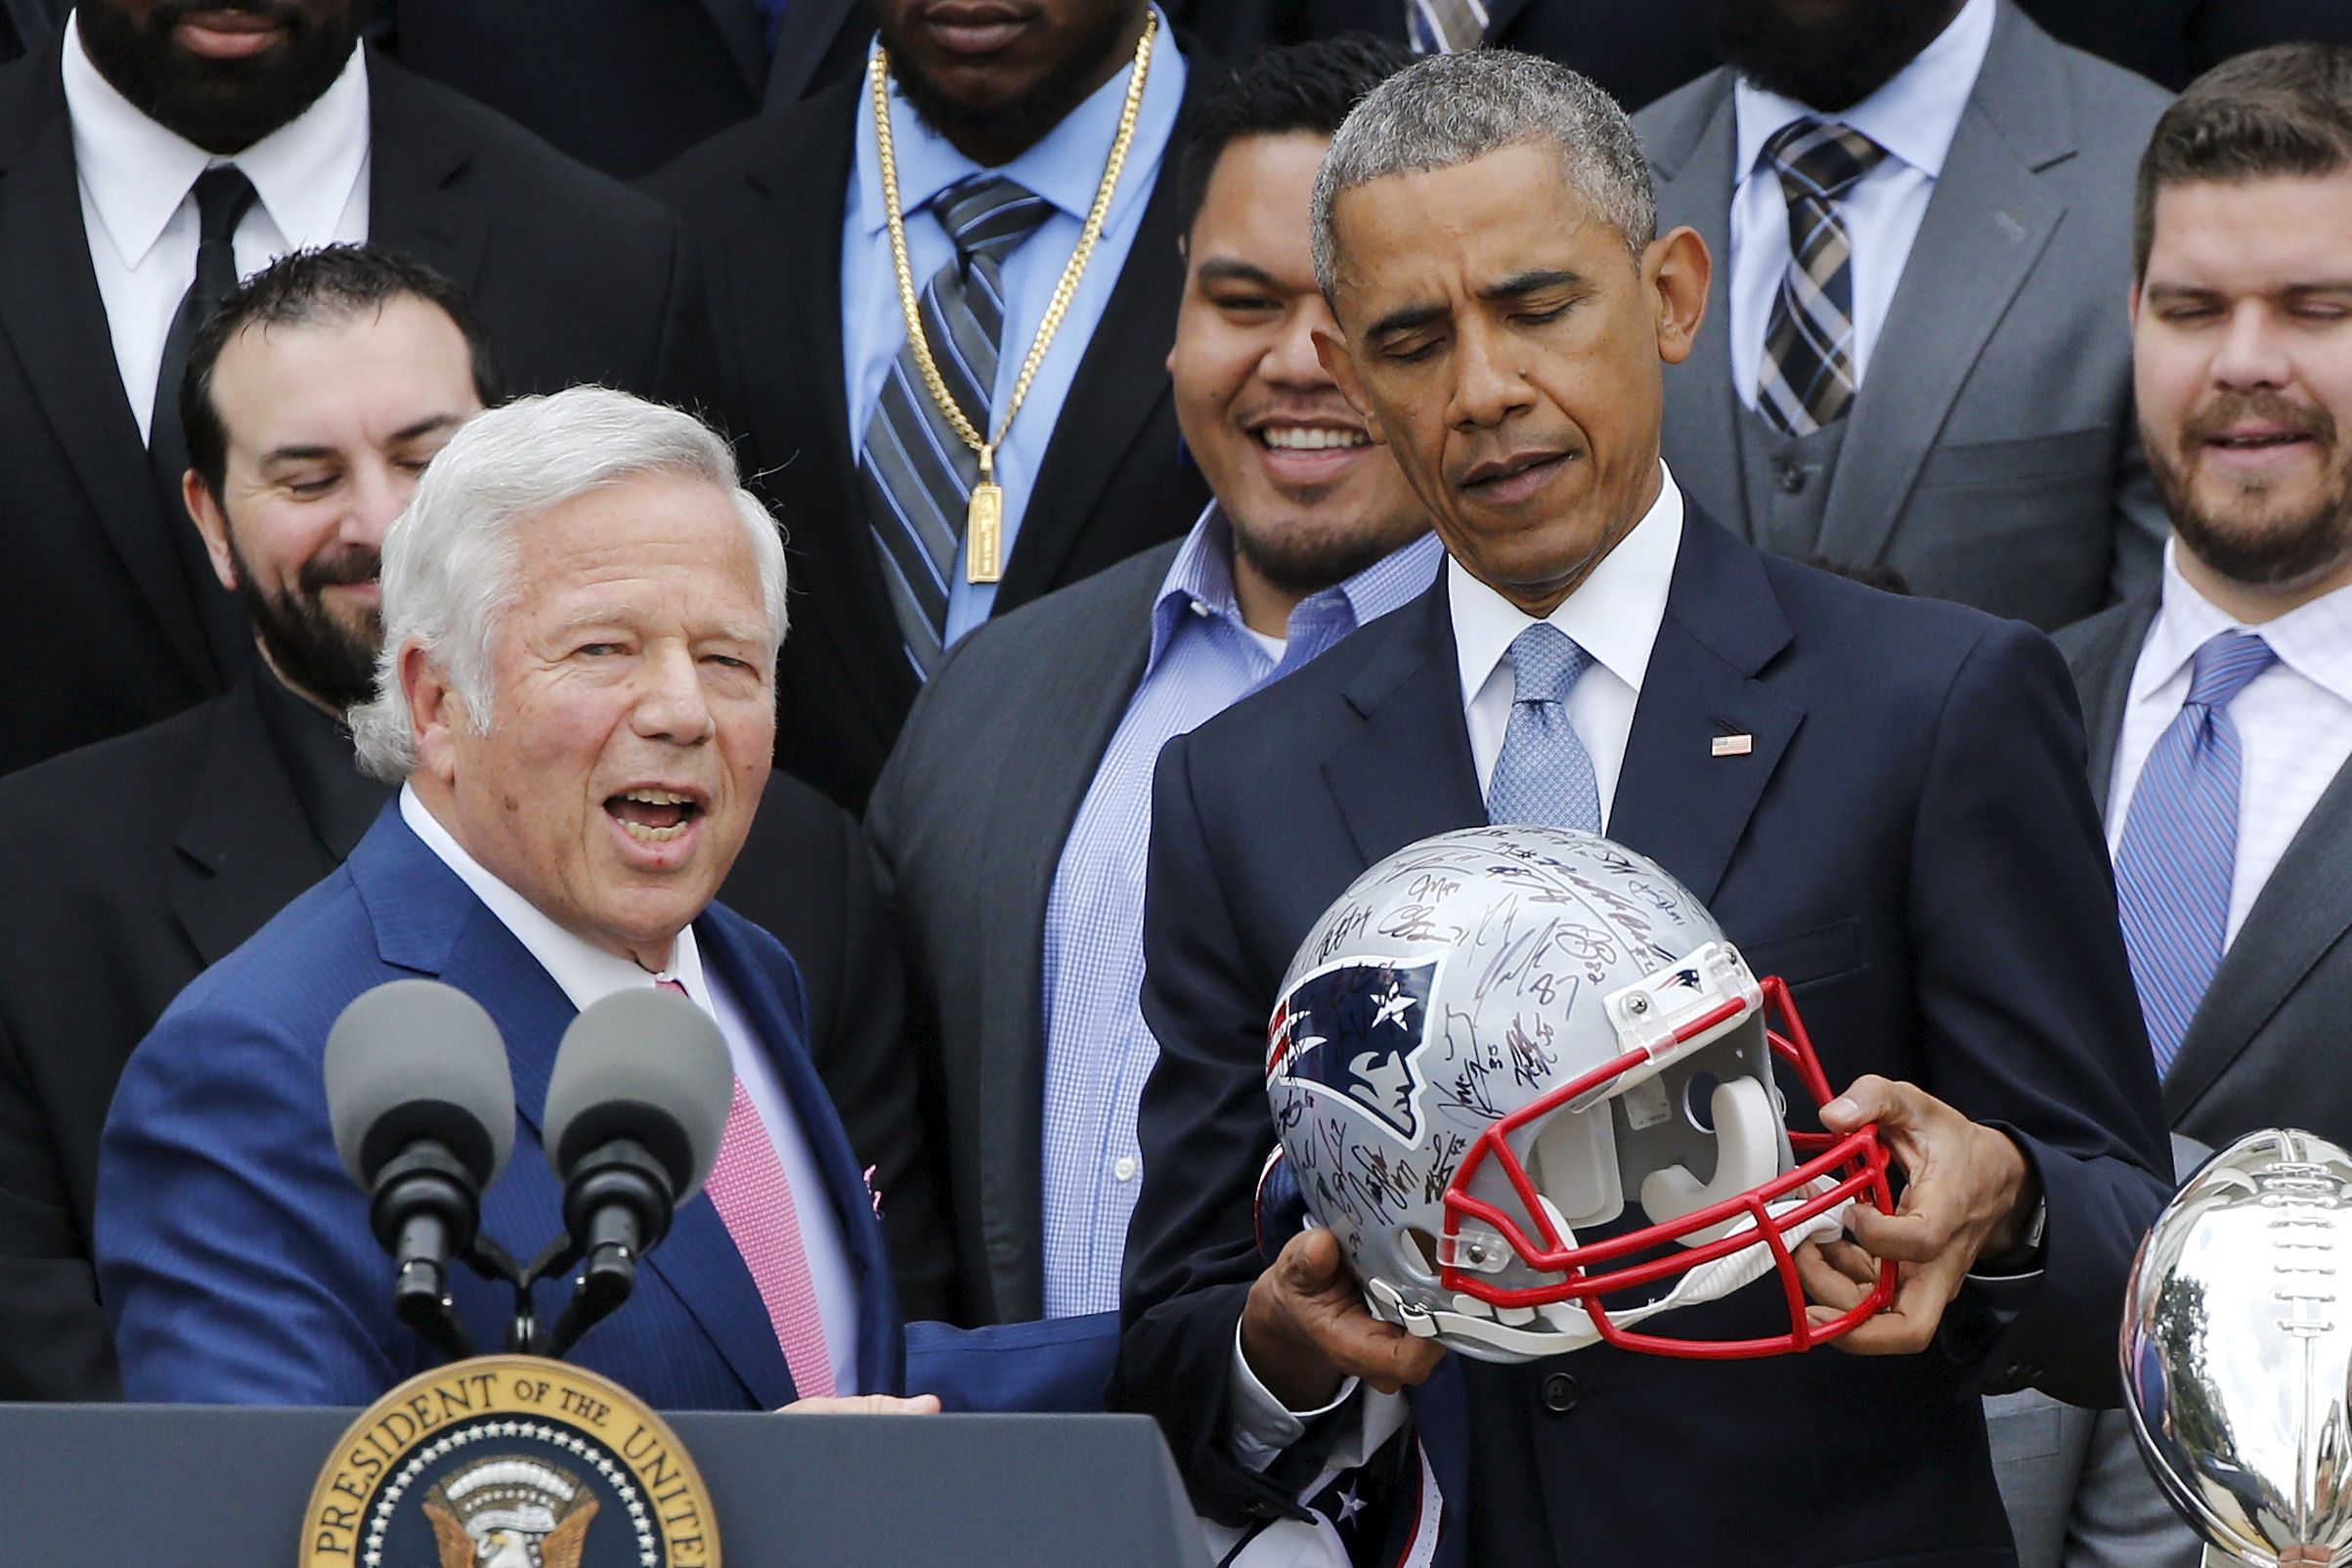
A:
(984, 522)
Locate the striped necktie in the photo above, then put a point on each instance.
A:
(2179, 849)
(1808, 376)
(917, 472)
(1543, 776)
(748, 1187)
(1444, 26)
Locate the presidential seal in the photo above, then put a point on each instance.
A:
(509, 1461)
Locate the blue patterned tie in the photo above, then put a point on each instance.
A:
(918, 474)
(2180, 844)
(1543, 774)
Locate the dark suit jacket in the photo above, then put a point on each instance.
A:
(622, 85)
(2172, 41)
(577, 279)
(1990, 456)
(148, 857)
(2277, 1004)
(235, 1255)
(765, 204)
(968, 821)
(1941, 920)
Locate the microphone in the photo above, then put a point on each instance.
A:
(637, 1106)
(422, 1105)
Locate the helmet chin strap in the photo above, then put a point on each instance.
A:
(1565, 1325)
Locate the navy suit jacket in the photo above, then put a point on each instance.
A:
(235, 1255)
(1909, 842)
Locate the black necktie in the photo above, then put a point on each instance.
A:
(222, 196)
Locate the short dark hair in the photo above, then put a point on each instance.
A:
(2286, 111)
(315, 285)
(1297, 88)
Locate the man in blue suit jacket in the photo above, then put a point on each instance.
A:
(1879, 798)
(582, 609)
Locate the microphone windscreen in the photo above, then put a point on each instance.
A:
(415, 1059)
(646, 1064)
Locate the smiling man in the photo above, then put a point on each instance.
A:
(1804, 754)
(1017, 804)
(581, 611)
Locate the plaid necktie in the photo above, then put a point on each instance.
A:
(1543, 774)
(1808, 377)
(1444, 26)
(2179, 849)
(917, 472)
(749, 1189)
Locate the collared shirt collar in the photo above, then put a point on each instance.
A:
(1065, 166)
(138, 173)
(587, 973)
(1614, 615)
(1199, 584)
(1914, 114)
(2310, 639)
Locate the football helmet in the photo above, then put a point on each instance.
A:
(1499, 1037)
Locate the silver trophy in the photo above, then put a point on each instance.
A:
(2237, 1352)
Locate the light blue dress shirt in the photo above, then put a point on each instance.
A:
(1203, 659)
(1066, 167)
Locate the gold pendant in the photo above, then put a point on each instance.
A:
(984, 534)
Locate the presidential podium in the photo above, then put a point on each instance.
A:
(224, 1487)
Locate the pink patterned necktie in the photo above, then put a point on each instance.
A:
(748, 1188)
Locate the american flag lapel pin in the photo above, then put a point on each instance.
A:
(1732, 745)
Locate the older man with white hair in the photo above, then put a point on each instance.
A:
(576, 694)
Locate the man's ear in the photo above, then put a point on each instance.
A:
(1676, 271)
(436, 713)
(2131, 305)
(212, 523)
(1339, 364)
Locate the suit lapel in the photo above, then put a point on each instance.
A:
(414, 203)
(1111, 397)
(2303, 910)
(738, 24)
(880, 1357)
(1675, 801)
(245, 827)
(1692, 163)
(2103, 673)
(1407, 772)
(53, 316)
(802, 45)
(1074, 725)
(1987, 224)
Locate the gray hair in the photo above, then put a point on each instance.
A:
(448, 564)
(1446, 110)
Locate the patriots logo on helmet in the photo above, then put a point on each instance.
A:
(1358, 1029)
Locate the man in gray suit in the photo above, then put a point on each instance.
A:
(1012, 816)
(2219, 699)
(1918, 210)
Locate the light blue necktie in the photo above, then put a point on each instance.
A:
(2180, 844)
(1543, 774)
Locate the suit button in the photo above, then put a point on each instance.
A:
(1792, 478)
(1560, 1393)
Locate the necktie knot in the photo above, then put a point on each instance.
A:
(1819, 161)
(987, 215)
(222, 197)
(2222, 667)
(1545, 663)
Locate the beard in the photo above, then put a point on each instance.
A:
(1831, 62)
(1023, 120)
(2256, 543)
(312, 651)
(1306, 559)
(222, 106)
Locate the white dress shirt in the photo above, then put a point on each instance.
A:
(139, 213)
(1613, 615)
(587, 973)
(1914, 116)
(2294, 721)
